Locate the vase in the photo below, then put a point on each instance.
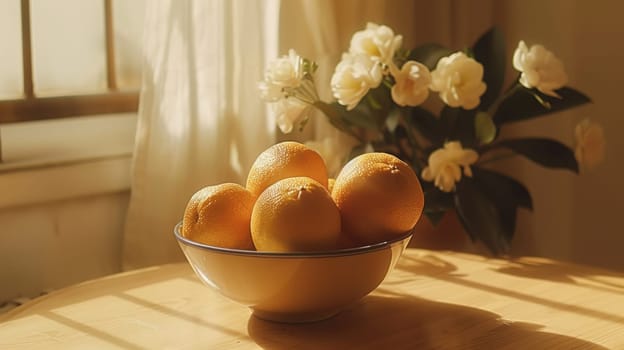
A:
(448, 234)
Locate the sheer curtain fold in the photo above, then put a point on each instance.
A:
(200, 119)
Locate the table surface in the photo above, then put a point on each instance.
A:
(441, 300)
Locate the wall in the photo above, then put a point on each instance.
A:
(64, 191)
(576, 217)
(51, 245)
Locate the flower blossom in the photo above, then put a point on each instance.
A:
(377, 42)
(353, 77)
(411, 86)
(284, 72)
(459, 80)
(288, 111)
(445, 165)
(590, 144)
(540, 69)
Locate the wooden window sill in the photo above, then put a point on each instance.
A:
(65, 158)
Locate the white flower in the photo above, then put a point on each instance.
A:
(590, 144)
(445, 165)
(288, 111)
(459, 80)
(284, 72)
(353, 77)
(270, 92)
(377, 42)
(412, 84)
(540, 69)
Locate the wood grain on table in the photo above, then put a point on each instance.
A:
(432, 300)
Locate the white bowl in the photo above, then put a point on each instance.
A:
(293, 287)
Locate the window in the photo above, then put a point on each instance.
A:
(68, 58)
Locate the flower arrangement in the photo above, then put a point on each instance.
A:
(381, 90)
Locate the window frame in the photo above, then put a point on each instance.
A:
(32, 107)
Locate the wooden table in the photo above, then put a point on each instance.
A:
(438, 300)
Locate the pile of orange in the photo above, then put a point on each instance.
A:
(289, 204)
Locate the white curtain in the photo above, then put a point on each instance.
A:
(201, 121)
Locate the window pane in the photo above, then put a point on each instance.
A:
(128, 25)
(11, 81)
(68, 46)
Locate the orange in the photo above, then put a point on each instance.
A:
(284, 160)
(295, 214)
(219, 215)
(379, 197)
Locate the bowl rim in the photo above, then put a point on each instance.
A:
(268, 254)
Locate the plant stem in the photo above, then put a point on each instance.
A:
(306, 92)
(335, 119)
(515, 87)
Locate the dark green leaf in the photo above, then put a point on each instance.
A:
(485, 130)
(436, 202)
(362, 120)
(379, 101)
(429, 54)
(489, 50)
(332, 112)
(396, 142)
(504, 187)
(522, 104)
(358, 117)
(546, 152)
(459, 124)
(507, 195)
(426, 123)
(434, 216)
(481, 217)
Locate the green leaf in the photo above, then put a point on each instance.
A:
(546, 152)
(485, 129)
(362, 120)
(426, 123)
(434, 216)
(524, 104)
(489, 50)
(487, 205)
(429, 54)
(436, 200)
(437, 203)
(503, 187)
(332, 112)
(507, 195)
(481, 217)
(459, 124)
(358, 117)
(309, 67)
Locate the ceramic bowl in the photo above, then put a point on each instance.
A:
(293, 287)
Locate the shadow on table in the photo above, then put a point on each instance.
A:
(432, 266)
(427, 265)
(406, 322)
(563, 272)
